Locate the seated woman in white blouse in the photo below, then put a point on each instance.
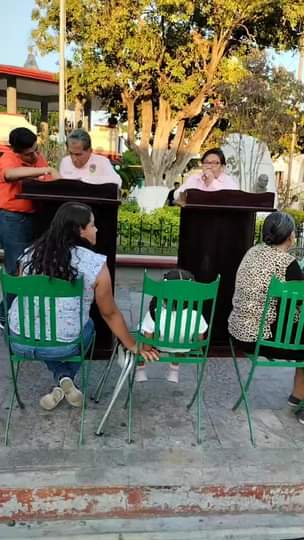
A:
(65, 252)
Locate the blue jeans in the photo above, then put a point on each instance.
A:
(16, 234)
(54, 356)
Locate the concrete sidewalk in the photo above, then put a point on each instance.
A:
(224, 527)
(164, 473)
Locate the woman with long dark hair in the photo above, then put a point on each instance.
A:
(65, 251)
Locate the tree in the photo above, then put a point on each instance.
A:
(265, 103)
(164, 62)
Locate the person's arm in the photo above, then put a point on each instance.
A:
(179, 194)
(147, 347)
(21, 173)
(113, 317)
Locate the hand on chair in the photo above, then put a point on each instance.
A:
(146, 351)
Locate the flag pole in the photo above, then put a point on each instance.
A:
(62, 73)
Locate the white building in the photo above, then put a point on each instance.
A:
(297, 174)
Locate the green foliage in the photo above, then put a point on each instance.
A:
(157, 233)
(165, 62)
(258, 230)
(129, 207)
(130, 170)
(298, 215)
(154, 233)
(264, 103)
(52, 152)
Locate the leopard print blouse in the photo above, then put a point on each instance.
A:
(254, 274)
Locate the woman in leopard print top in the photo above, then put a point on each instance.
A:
(260, 263)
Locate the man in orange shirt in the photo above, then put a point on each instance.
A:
(21, 161)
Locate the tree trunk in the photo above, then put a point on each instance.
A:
(169, 163)
(190, 149)
(163, 162)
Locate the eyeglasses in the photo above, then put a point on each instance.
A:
(211, 163)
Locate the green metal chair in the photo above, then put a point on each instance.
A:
(177, 296)
(33, 292)
(288, 298)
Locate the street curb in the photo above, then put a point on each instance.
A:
(28, 504)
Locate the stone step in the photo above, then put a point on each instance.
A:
(215, 527)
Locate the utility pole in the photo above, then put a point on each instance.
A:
(62, 72)
(294, 129)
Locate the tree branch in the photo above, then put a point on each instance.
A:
(147, 120)
(195, 107)
(128, 102)
(201, 133)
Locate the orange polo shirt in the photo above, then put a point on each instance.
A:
(9, 190)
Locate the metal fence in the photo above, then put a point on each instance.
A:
(299, 234)
(143, 239)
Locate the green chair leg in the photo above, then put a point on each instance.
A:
(199, 376)
(15, 393)
(244, 397)
(246, 385)
(105, 375)
(85, 369)
(14, 378)
(199, 381)
(130, 392)
(249, 378)
(129, 401)
(84, 386)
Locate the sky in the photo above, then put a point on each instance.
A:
(15, 37)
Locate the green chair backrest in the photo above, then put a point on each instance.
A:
(186, 300)
(36, 297)
(287, 298)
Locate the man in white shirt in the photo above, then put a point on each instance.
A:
(83, 164)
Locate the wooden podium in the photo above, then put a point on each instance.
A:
(216, 230)
(103, 199)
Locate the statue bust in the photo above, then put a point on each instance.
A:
(261, 183)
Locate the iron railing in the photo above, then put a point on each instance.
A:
(163, 239)
(143, 239)
(299, 235)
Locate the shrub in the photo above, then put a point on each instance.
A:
(129, 207)
(157, 233)
(298, 215)
(154, 233)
